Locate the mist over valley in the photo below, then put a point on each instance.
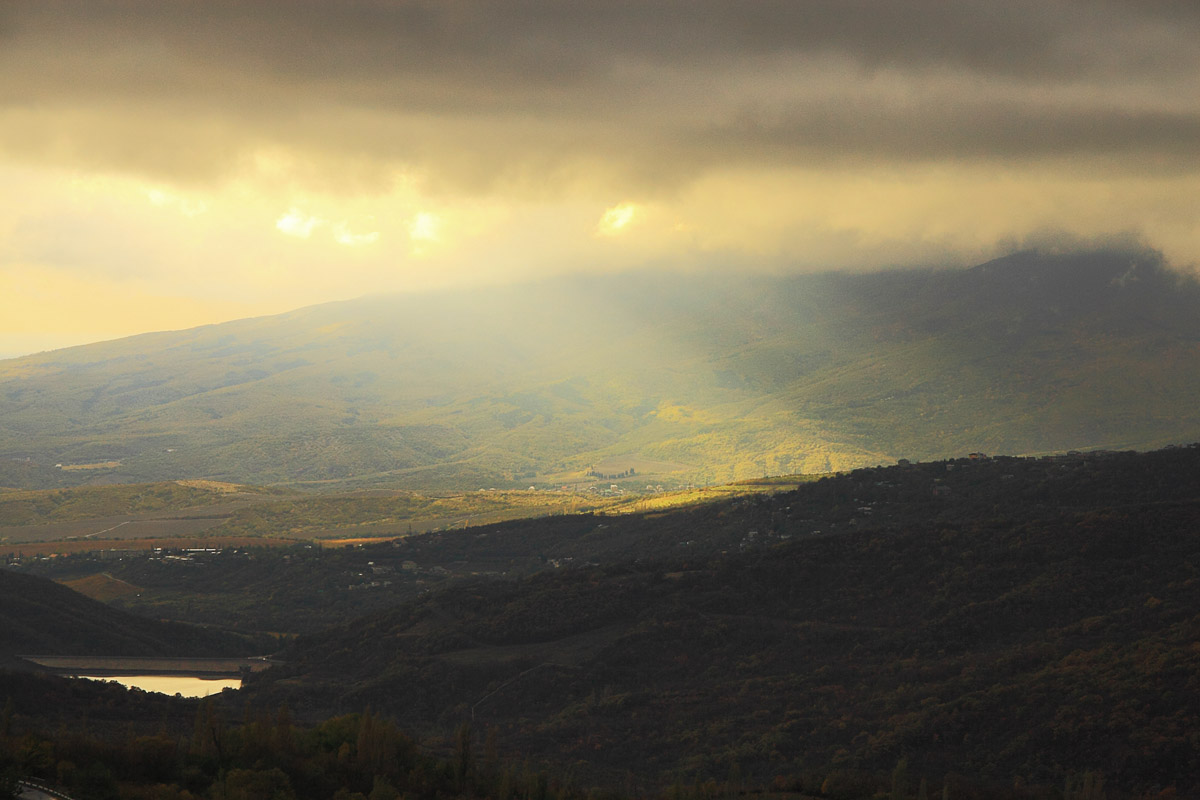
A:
(656, 377)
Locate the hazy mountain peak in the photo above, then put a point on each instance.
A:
(1092, 267)
(718, 377)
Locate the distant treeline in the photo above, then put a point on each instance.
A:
(266, 755)
(605, 476)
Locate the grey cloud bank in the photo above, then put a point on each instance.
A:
(477, 95)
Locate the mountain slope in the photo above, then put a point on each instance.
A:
(701, 378)
(1015, 618)
(41, 617)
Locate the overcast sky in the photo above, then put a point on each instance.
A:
(169, 164)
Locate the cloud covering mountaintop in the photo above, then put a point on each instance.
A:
(170, 164)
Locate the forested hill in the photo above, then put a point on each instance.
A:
(1013, 620)
(41, 617)
(677, 377)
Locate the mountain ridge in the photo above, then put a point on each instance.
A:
(727, 377)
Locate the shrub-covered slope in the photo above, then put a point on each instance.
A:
(41, 617)
(1038, 618)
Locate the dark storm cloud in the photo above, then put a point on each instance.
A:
(538, 44)
(654, 90)
(965, 129)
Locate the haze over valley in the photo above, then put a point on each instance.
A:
(652, 376)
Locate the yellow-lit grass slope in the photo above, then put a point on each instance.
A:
(102, 587)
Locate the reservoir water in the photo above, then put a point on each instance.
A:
(186, 685)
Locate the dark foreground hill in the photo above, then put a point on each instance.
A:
(1014, 620)
(677, 378)
(41, 617)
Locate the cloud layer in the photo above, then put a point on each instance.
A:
(495, 119)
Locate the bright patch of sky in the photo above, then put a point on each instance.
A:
(298, 224)
(344, 235)
(615, 219)
(424, 227)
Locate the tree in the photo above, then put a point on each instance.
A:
(249, 784)
(900, 780)
(462, 755)
(383, 790)
(8, 776)
(1088, 787)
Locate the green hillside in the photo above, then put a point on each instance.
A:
(21, 508)
(682, 378)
